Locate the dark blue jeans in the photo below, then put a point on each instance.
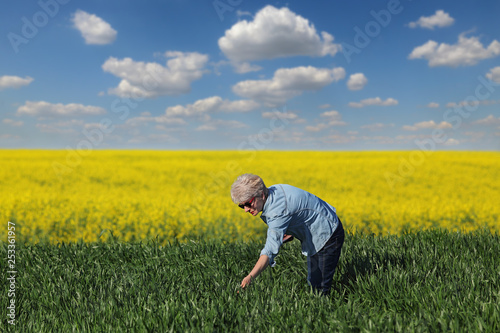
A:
(321, 266)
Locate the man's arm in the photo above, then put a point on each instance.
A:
(261, 264)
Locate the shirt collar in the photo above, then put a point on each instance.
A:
(268, 200)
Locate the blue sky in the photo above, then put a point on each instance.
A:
(239, 74)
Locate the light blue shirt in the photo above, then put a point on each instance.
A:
(292, 211)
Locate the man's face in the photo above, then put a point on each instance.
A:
(254, 205)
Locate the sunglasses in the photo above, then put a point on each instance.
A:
(246, 204)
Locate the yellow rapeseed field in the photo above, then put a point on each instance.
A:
(56, 196)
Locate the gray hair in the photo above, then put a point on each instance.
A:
(247, 186)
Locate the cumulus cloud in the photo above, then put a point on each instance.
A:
(439, 19)
(316, 128)
(43, 108)
(163, 120)
(245, 67)
(280, 115)
(287, 83)
(275, 33)
(466, 52)
(61, 127)
(376, 126)
(150, 80)
(210, 105)
(427, 125)
(213, 125)
(333, 118)
(202, 109)
(490, 120)
(357, 81)
(12, 122)
(14, 82)
(471, 103)
(494, 74)
(451, 142)
(475, 135)
(163, 138)
(329, 119)
(433, 105)
(93, 28)
(374, 101)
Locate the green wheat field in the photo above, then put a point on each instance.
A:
(428, 281)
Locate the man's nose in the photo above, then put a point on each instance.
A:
(247, 209)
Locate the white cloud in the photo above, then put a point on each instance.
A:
(317, 128)
(163, 138)
(211, 105)
(330, 118)
(15, 82)
(357, 81)
(376, 126)
(245, 67)
(163, 119)
(379, 139)
(490, 120)
(61, 127)
(42, 108)
(213, 125)
(201, 109)
(93, 28)
(433, 105)
(471, 103)
(494, 74)
(287, 83)
(451, 142)
(333, 118)
(475, 136)
(467, 52)
(89, 126)
(275, 33)
(280, 115)
(12, 122)
(339, 139)
(48, 128)
(411, 138)
(150, 80)
(374, 101)
(439, 19)
(427, 125)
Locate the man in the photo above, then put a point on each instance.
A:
(288, 210)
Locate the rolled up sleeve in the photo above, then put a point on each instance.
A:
(275, 233)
